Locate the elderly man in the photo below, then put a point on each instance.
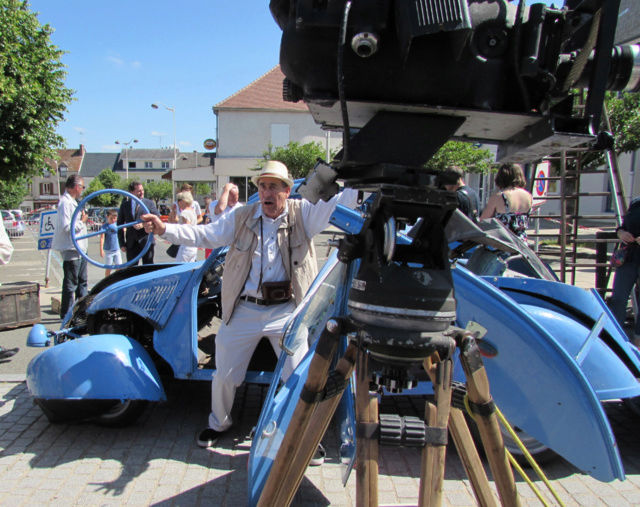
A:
(270, 265)
(74, 266)
(228, 201)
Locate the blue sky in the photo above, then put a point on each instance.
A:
(124, 55)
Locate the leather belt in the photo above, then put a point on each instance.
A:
(264, 302)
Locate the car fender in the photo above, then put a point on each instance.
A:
(107, 366)
(536, 383)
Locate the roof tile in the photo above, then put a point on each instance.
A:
(263, 93)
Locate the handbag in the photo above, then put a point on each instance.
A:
(172, 251)
(619, 255)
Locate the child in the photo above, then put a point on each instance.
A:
(109, 246)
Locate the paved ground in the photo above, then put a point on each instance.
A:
(156, 461)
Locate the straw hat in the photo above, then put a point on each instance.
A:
(273, 169)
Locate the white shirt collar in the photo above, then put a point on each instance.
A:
(258, 212)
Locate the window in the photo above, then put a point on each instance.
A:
(164, 165)
(46, 188)
(132, 165)
(279, 134)
(148, 165)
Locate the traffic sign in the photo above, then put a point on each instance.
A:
(44, 243)
(47, 223)
(541, 181)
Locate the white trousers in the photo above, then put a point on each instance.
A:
(235, 343)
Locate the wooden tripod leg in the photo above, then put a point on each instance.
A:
(279, 486)
(320, 421)
(366, 437)
(487, 421)
(470, 459)
(434, 455)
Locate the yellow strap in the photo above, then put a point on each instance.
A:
(527, 455)
(530, 459)
(526, 478)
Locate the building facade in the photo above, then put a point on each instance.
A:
(255, 118)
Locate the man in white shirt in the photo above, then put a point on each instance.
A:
(228, 201)
(269, 267)
(74, 266)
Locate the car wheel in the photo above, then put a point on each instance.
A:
(122, 413)
(540, 452)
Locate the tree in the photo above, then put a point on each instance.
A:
(201, 188)
(33, 98)
(624, 117)
(157, 190)
(299, 158)
(465, 155)
(12, 193)
(106, 179)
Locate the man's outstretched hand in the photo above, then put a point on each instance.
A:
(152, 223)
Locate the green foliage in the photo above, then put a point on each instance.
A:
(299, 158)
(106, 179)
(110, 179)
(465, 155)
(624, 117)
(12, 193)
(202, 188)
(33, 97)
(157, 190)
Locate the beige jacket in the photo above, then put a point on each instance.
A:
(291, 235)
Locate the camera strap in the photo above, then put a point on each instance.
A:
(289, 229)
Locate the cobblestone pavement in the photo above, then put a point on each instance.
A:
(156, 461)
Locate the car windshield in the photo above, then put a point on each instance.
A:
(317, 306)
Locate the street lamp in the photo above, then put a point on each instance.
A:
(126, 154)
(175, 146)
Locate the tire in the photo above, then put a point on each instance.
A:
(123, 413)
(540, 452)
(113, 413)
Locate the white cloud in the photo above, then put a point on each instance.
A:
(115, 60)
(136, 64)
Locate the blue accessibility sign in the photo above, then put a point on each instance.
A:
(47, 223)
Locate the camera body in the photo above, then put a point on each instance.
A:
(505, 69)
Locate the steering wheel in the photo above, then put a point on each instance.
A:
(113, 227)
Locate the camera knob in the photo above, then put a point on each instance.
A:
(364, 44)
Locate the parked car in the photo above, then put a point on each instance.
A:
(14, 226)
